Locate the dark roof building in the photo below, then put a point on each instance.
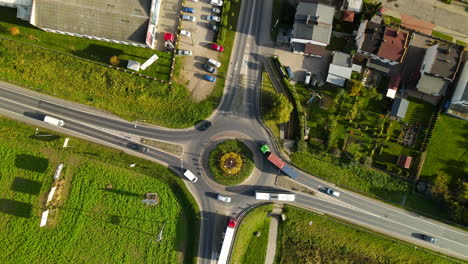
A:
(404, 161)
(399, 108)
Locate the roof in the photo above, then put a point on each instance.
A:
(380, 66)
(404, 161)
(393, 45)
(348, 16)
(461, 90)
(369, 36)
(446, 62)
(391, 93)
(112, 19)
(313, 21)
(432, 85)
(399, 108)
(394, 82)
(342, 59)
(354, 5)
(340, 69)
(315, 49)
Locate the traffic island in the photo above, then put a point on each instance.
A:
(231, 162)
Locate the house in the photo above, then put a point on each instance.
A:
(404, 161)
(312, 26)
(348, 16)
(438, 69)
(385, 47)
(399, 108)
(459, 103)
(353, 5)
(340, 69)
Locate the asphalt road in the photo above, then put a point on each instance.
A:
(237, 116)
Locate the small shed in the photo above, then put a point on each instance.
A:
(404, 161)
(399, 108)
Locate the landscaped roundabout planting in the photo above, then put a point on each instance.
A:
(231, 162)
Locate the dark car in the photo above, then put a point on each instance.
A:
(188, 10)
(212, 26)
(138, 147)
(208, 68)
(204, 125)
(428, 238)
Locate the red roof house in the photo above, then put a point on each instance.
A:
(348, 16)
(394, 44)
(404, 161)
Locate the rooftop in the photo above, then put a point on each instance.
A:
(432, 85)
(461, 89)
(372, 37)
(315, 49)
(404, 161)
(342, 59)
(446, 62)
(393, 44)
(112, 19)
(313, 21)
(399, 108)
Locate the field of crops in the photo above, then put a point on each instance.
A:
(98, 216)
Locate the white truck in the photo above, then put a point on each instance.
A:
(227, 242)
(53, 121)
(278, 196)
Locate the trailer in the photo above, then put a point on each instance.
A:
(227, 242)
(290, 172)
(275, 196)
(280, 164)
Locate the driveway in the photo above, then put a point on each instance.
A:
(202, 37)
(168, 21)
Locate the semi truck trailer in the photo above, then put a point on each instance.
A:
(280, 164)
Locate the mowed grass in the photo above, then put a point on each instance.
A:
(448, 149)
(329, 241)
(266, 101)
(90, 223)
(99, 51)
(128, 96)
(247, 247)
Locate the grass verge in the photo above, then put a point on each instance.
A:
(231, 146)
(266, 102)
(327, 240)
(442, 36)
(90, 223)
(249, 248)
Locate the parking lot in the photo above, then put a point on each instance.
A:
(168, 21)
(199, 43)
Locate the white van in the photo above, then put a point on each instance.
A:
(215, 63)
(190, 176)
(53, 121)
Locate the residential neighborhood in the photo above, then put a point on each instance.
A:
(234, 131)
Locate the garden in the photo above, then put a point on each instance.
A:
(231, 162)
(98, 215)
(307, 237)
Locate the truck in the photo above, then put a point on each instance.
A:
(227, 242)
(53, 121)
(280, 164)
(277, 196)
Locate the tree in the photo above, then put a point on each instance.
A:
(280, 110)
(354, 87)
(439, 188)
(352, 113)
(14, 31)
(114, 60)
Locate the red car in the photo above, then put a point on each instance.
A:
(217, 47)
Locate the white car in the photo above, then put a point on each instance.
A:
(195, 1)
(189, 18)
(223, 198)
(184, 52)
(185, 33)
(213, 18)
(216, 10)
(330, 191)
(215, 63)
(216, 2)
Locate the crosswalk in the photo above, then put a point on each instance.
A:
(127, 136)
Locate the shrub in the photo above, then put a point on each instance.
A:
(114, 60)
(14, 31)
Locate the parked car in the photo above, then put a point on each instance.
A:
(216, 2)
(217, 47)
(204, 125)
(215, 63)
(308, 75)
(189, 18)
(209, 78)
(138, 147)
(208, 68)
(184, 52)
(185, 33)
(216, 10)
(213, 27)
(188, 10)
(330, 191)
(223, 198)
(428, 238)
(213, 18)
(194, 1)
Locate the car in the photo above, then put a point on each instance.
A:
(213, 18)
(204, 125)
(185, 33)
(217, 47)
(188, 10)
(216, 2)
(138, 147)
(208, 68)
(215, 63)
(189, 18)
(428, 238)
(213, 27)
(330, 191)
(194, 1)
(308, 75)
(209, 78)
(223, 198)
(216, 10)
(184, 52)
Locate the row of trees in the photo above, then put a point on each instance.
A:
(453, 195)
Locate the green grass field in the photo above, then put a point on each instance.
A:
(266, 102)
(329, 241)
(447, 151)
(249, 248)
(90, 222)
(236, 147)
